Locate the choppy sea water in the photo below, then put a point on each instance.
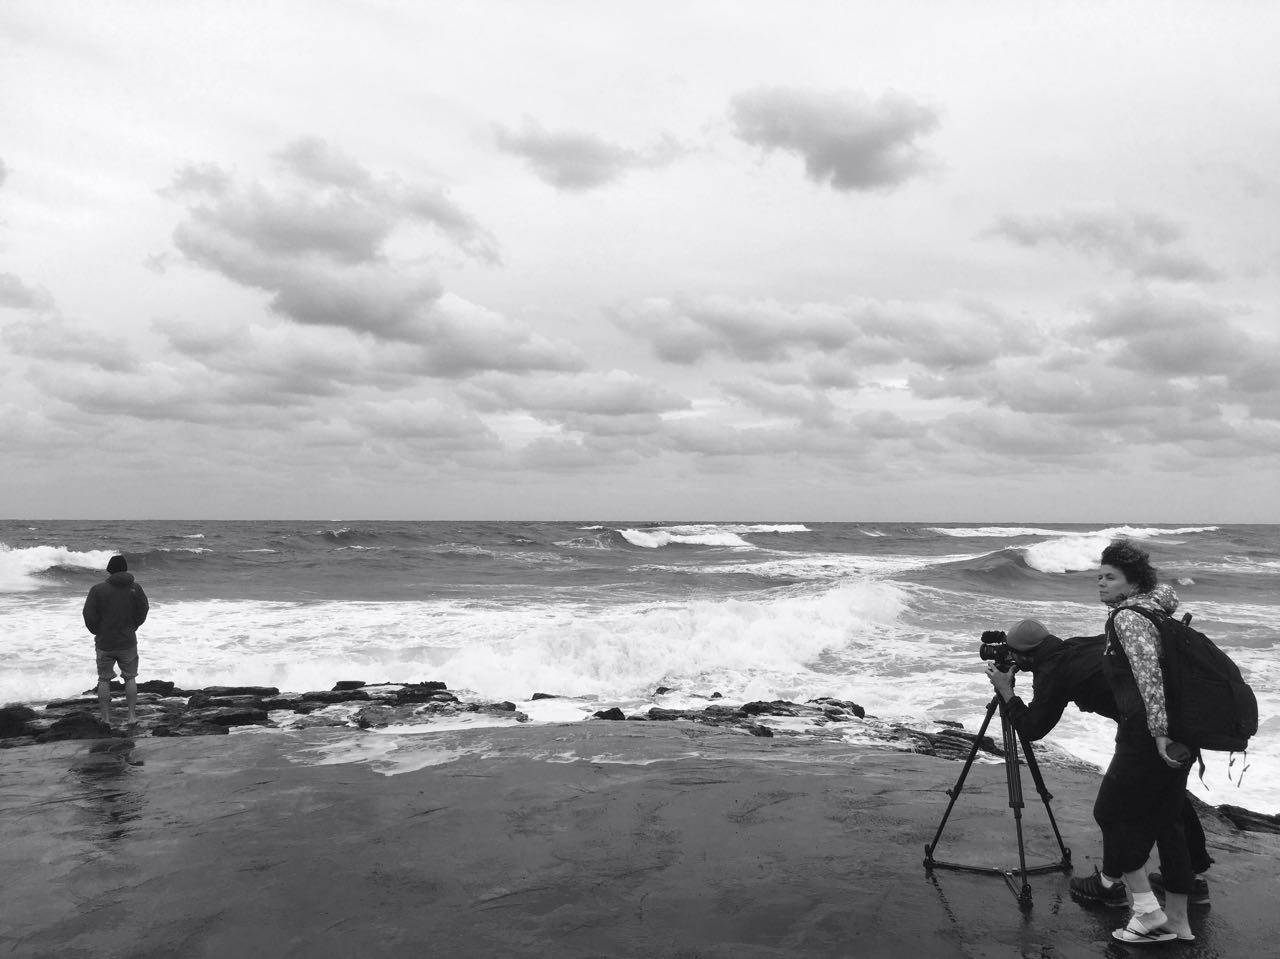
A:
(887, 615)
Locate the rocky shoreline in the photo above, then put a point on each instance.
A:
(167, 710)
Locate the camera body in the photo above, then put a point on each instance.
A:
(995, 649)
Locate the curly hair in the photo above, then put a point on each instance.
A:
(1132, 560)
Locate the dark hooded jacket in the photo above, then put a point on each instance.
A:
(113, 611)
(1065, 671)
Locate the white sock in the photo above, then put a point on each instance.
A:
(1107, 881)
(1145, 902)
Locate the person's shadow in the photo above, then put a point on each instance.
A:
(104, 772)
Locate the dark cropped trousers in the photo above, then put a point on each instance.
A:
(1144, 803)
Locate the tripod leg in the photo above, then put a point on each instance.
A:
(954, 791)
(1013, 775)
(1045, 796)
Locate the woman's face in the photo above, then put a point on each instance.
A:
(1113, 585)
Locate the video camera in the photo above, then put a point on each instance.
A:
(994, 647)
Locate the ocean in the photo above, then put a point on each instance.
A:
(602, 613)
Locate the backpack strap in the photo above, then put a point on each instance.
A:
(1152, 615)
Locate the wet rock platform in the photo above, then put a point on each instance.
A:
(607, 840)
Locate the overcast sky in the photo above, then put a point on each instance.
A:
(698, 260)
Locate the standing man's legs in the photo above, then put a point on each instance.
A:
(129, 673)
(106, 671)
(128, 660)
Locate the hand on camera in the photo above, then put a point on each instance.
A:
(1001, 682)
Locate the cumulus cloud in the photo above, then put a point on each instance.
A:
(19, 296)
(1144, 244)
(316, 238)
(573, 160)
(855, 334)
(1170, 336)
(846, 138)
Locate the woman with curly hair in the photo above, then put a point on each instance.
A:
(1140, 802)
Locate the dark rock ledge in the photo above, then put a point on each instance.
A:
(164, 709)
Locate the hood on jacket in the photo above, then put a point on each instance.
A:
(122, 578)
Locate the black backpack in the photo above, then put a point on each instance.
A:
(1210, 706)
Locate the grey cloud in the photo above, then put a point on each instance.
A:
(846, 139)
(19, 296)
(424, 419)
(854, 334)
(206, 179)
(315, 241)
(159, 393)
(711, 438)
(1170, 335)
(316, 160)
(460, 338)
(809, 406)
(572, 160)
(1142, 243)
(364, 297)
(52, 337)
(557, 455)
(284, 360)
(612, 394)
(621, 428)
(1004, 435)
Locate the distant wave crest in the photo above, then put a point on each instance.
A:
(657, 538)
(19, 567)
(1080, 551)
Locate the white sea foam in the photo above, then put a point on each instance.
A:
(762, 646)
(657, 538)
(19, 567)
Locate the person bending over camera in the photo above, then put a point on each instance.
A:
(1063, 671)
(1067, 671)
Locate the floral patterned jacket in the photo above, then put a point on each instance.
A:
(1140, 641)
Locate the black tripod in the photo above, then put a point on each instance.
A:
(1011, 765)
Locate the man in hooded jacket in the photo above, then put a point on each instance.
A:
(113, 611)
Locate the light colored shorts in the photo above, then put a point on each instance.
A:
(107, 659)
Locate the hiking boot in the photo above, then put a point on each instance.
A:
(1198, 896)
(1091, 889)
